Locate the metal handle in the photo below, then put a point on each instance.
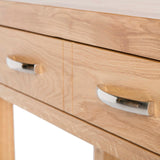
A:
(124, 104)
(22, 67)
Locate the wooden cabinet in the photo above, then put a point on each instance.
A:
(68, 76)
(72, 53)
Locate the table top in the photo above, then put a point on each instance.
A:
(139, 8)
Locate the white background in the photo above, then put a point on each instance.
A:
(36, 139)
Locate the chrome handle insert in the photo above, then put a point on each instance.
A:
(20, 66)
(127, 105)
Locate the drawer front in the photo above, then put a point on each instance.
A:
(29, 48)
(124, 76)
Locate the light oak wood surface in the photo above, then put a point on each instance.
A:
(6, 131)
(70, 83)
(71, 72)
(141, 80)
(101, 155)
(68, 76)
(112, 145)
(142, 8)
(133, 35)
(30, 48)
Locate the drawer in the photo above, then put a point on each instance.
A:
(133, 81)
(46, 82)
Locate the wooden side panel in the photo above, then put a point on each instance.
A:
(6, 131)
(140, 36)
(93, 66)
(31, 48)
(105, 141)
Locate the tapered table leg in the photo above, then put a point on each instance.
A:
(101, 155)
(6, 131)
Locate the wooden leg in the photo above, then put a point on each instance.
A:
(6, 131)
(101, 155)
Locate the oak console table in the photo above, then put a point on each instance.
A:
(91, 68)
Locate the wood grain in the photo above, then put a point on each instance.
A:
(134, 35)
(68, 76)
(31, 48)
(105, 141)
(93, 66)
(143, 8)
(6, 131)
(101, 155)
